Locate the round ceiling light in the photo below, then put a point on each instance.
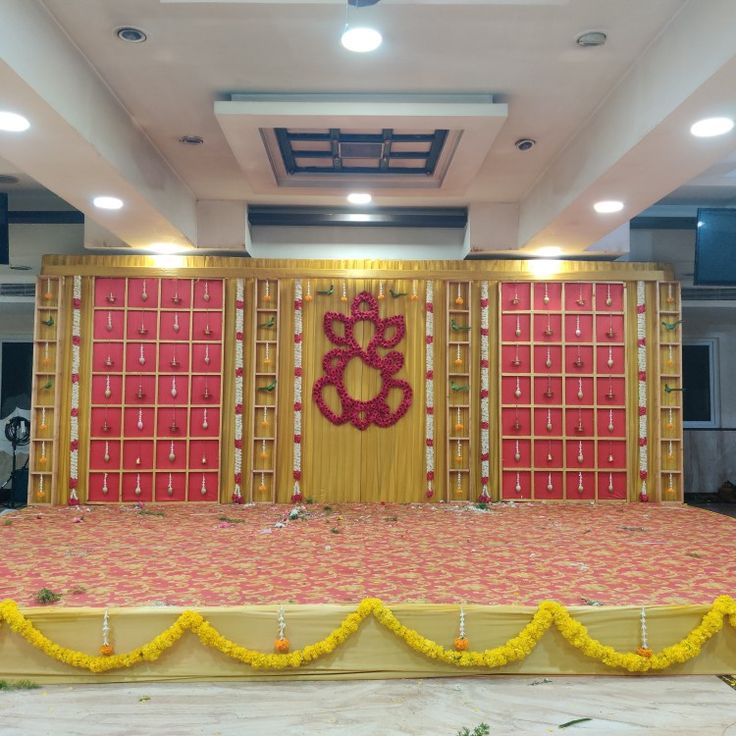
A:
(359, 198)
(361, 39)
(130, 34)
(107, 203)
(711, 127)
(607, 206)
(591, 38)
(11, 122)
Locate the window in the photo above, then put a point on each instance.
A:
(699, 371)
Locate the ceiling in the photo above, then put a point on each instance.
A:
(610, 122)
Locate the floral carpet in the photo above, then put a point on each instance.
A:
(434, 553)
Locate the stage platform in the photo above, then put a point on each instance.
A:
(236, 564)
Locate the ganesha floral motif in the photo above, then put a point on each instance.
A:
(388, 333)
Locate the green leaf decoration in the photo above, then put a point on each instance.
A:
(48, 322)
(671, 325)
(268, 387)
(326, 292)
(457, 387)
(670, 389)
(268, 323)
(455, 327)
(397, 294)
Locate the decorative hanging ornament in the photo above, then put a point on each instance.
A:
(610, 453)
(550, 487)
(205, 423)
(176, 326)
(517, 453)
(610, 332)
(414, 295)
(461, 642)
(203, 487)
(144, 292)
(173, 391)
(610, 482)
(44, 426)
(580, 389)
(170, 486)
(516, 361)
(267, 292)
(207, 331)
(172, 452)
(262, 487)
(670, 424)
(517, 390)
(264, 452)
(138, 460)
(108, 390)
(106, 456)
(176, 299)
(611, 426)
(458, 485)
(459, 453)
(108, 324)
(173, 427)
(206, 391)
(669, 492)
(140, 393)
(580, 301)
(548, 329)
(139, 423)
(142, 329)
(459, 421)
(108, 361)
(48, 294)
(207, 359)
(578, 362)
(381, 295)
(264, 420)
(111, 298)
(517, 486)
(609, 362)
(206, 292)
(669, 449)
(174, 363)
(548, 359)
(670, 297)
(517, 330)
(548, 425)
(545, 298)
(42, 458)
(516, 426)
(40, 492)
(548, 392)
(45, 360)
(106, 426)
(458, 358)
(581, 488)
(308, 296)
(549, 457)
(281, 645)
(137, 489)
(515, 298)
(609, 301)
(142, 356)
(610, 395)
(669, 361)
(344, 291)
(580, 457)
(105, 489)
(578, 331)
(459, 298)
(579, 427)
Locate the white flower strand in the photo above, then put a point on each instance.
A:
(239, 322)
(643, 626)
(485, 444)
(461, 632)
(74, 421)
(641, 359)
(282, 623)
(429, 385)
(106, 629)
(298, 330)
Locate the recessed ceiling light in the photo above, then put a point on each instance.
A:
(549, 251)
(130, 34)
(591, 38)
(359, 198)
(167, 248)
(710, 127)
(11, 122)
(191, 140)
(107, 203)
(361, 39)
(608, 206)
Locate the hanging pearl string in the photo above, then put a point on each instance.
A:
(643, 627)
(40, 486)
(106, 629)
(462, 623)
(105, 489)
(282, 623)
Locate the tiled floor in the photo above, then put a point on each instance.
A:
(676, 706)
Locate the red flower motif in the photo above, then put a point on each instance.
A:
(484, 480)
(387, 334)
(429, 307)
(238, 499)
(484, 363)
(73, 502)
(239, 303)
(642, 375)
(642, 342)
(239, 336)
(643, 475)
(297, 439)
(642, 441)
(76, 340)
(429, 375)
(484, 303)
(298, 372)
(297, 338)
(239, 372)
(74, 445)
(429, 493)
(74, 412)
(238, 478)
(75, 377)
(72, 482)
(643, 497)
(238, 408)
(297, 498)
(429, 339)
(429, 442)
(430, 475)
(297, 474)
(642, 411)
(641, 308)
(76, 303)
(484, 425)
(429, 410)
(484, 393)
(484, 498)
(297, 406)
(484, 456)
(297, 303)
(238, 444)
(484, 331)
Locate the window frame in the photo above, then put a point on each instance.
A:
(714, 378)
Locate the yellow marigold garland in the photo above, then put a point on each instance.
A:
(515, 649)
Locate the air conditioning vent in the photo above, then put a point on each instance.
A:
(18, 290)
(708, 294)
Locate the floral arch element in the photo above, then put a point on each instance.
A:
(389, 332)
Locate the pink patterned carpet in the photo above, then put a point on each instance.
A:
(191, 556)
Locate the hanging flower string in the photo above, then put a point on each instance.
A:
(429, 388)
(74, 410)
(297, 495)
(461, 642)
(485, 445)
(641, 357)
(644, 650)
(281, 645)
(106, 649)
(238, 383)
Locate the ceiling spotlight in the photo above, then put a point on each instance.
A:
(361, 40)
(107, 203)
(359, 198)
(607, 206)
(191, 140)
(525, 144)
(11, 122)
(591, 38)
(549, 251)
(710, 127)
(129, 34)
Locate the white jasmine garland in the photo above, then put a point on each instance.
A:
(298, 333)
(238, 424)
(484, 385)
(641, 361)
(429, 384)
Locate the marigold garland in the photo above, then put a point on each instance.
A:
(514, 650)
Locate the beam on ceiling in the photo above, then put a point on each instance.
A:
(637, 147)
(82, 142)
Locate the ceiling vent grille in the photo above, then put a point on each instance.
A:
(18, 290)
(708, 294)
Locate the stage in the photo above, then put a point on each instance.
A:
(237, 564)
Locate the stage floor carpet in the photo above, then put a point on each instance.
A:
(209, 556)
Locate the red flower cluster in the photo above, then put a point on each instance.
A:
(238, 499)
(297, 498)
(76, 340)
(76, 303)
(362, 414)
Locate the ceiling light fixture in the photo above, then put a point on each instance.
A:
(107, 203)
(549, 251)
(359, 198)
(711, 127)
(11, 122)
(591, 38)
(167, 248)
(191, 140)
(130, 34)
(608, 206)
(360, 39)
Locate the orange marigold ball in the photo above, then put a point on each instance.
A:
(413, 297)
(644, 652)
(307, 297)
(48, 296)
(459, 427)
(262, 487)
(281, 646)
(459, 301)
(461, 644)
(106, 650)
(458, 361)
